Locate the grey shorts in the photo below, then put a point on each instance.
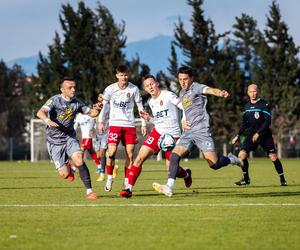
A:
(60, 154)
(202, 139)
(100, 141)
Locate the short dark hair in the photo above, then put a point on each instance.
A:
(122, 68)
(66, 78)
(186, 70)
(149, 76)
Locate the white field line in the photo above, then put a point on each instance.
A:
(152, 205)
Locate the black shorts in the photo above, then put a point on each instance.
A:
(266, 142)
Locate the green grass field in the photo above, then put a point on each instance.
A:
(38, 210)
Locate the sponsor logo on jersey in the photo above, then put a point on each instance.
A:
(161, 113)
(186, 102)
(68, 115)
(120, 104)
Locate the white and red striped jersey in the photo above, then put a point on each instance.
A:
(86, 124)
(122, 104)
(165, 113)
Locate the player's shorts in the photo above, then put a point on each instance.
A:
(127, 135)
(86, 143)
(266, 142)
(202, 139)
(100, 141)
(60, 154)
(151, 142)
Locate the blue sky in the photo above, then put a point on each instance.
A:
(28, 26)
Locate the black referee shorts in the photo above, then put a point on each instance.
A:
(266, 142)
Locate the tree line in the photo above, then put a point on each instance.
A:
(90, 48)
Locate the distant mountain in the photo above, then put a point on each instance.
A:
(28, 64)
(154, 52)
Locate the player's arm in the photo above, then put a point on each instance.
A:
(103, 114)
(140, 109)
(243, 127)
(43, 115)
(216, 92)
(146, 116)
(177, 102)
(97, 107)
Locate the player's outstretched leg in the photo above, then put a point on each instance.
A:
(186, 174)
(234, 160)
(86, 179)
(133, 173)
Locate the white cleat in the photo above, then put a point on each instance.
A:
(234, 160)
(108, 185)
(163, 189)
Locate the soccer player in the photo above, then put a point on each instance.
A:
(164, 106)
(59, 113)
(101, 145)
(194, 100)
(87, 127)
(256, 127)
(121, 96)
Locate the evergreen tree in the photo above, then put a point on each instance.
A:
(13, 98)
(215, 65)
(247, 37)
(51, 70)
(173, 62)
(90, 51)
(277, 72)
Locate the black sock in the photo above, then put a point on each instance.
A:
(245, 169)
(222, 162)
(279, 169)
(174, 165)
(85, 177)
(103, 163)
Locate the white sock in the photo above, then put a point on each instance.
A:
(89, 190)
(109, 177)
(171, 183)
(125, 182)
(129, 187)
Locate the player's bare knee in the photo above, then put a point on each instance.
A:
(273, 157)
(242, 155)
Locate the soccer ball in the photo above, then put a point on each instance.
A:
(166, 142)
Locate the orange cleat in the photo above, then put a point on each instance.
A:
(92, 196)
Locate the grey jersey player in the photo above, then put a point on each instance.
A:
(59, 113)
(194, 100)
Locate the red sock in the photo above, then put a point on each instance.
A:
(181, 173)
(71, 176)
(109, 169)
(95, 158)
(133, 174)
